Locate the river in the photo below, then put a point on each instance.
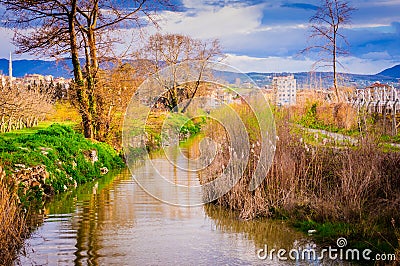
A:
(114, 222)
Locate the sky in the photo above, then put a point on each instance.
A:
(267, 36)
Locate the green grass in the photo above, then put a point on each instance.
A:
(390, 139)
(28, 131)
(328, 232)
(387, 147)
(310, 120)
(325, 231)
(63, 151)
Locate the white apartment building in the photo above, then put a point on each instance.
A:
(285, 90)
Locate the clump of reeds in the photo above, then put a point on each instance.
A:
(397, 233)
(358, 185)
(229, 162)
(12, 222)
(332, 184)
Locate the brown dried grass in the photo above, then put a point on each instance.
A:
(12, 223)
(319, 183)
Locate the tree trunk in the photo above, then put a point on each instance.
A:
(9, 124)
(74, 46)
(334, 67)
(91, 71)
(194, 91)
(93, 50)
(19, 123)
(81, 93)
(2, 126)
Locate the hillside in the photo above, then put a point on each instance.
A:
(23, 67)
(393, 72)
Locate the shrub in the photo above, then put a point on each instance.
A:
(322, 115)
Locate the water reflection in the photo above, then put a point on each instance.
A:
(275, 234)
(113, 221)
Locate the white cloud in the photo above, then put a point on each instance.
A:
(366, 25)
(6, 46)
(352, 65)
(211, 22)
(384, 55)
(301, 26)
(6, 36)
(266, 37)
(269, 64)
(357, 65)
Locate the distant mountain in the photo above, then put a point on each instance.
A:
(61, 68)
(393, 72)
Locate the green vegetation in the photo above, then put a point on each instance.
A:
(67, 155)
(32, 130)
(192, 127)
(391, 139)
(310, 118)
(329, 232)
(64, 114)
(331, 119)
(326, 231)
(160, 126)
(327, 118)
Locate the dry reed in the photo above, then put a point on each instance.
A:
(323, 184)
(12, 223)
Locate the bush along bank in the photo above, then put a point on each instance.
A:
(36, 166)
(350, 192)
(160, 127)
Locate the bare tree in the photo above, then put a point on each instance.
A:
(23, 106)
(179, 54)
(115, 88)
(326, 26)
(78, 28)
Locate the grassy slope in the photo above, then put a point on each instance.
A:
(63, 151)
(28, 131)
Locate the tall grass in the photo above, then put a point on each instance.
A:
(239, 197)
(12, 223)
(352, 185)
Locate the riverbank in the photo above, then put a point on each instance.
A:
(96, 221)
(36, 166)
(329, 191)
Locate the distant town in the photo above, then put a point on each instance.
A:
(280, 88)
(58, 85)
